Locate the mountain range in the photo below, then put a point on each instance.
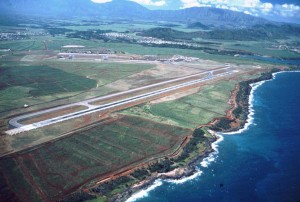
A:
(124, 9)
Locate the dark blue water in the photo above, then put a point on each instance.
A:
(260, 164)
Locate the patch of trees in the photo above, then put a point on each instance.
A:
(53, 31)
(140, 173)
(90, 34)
(161, 167)
(222, 124)
(205, 49)
(255, 33)
(78, 197)
(181, 46)
(97, 34)
(170, 25)
(166, 34)
(251, 34)
(294, 68)
(242, 99)
(109, 186)
(198, 136)
(197, 25)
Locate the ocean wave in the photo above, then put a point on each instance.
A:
(204, 163)
(185, 179)
(145, 192)
(275, 74)
(212, 156)
(250, 117)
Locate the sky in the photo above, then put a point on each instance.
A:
(280, 10)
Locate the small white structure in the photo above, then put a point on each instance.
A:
(73, 46)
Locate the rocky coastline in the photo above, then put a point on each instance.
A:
(240, 117)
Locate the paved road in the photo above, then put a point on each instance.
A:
(94, 108)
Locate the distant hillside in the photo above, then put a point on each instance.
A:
(197, 25)
(69, 8)
(127, 10)
(168, 34)
(258, 32)
(210, 16)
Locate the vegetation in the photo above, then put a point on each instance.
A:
(37, 85)
(242, 99)
(112, 187)
(190, 111)
(38, 78)
(161, 167)
(107, 187)
(53, 31)
(197, 25)
(258, 32)
(30, 75)
(223, 124)
(78, 197)
(198, 137)
(140, 173)
(60, 167)
(205, 49)
(91, 34)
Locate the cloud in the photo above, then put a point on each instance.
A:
(250, 7)
(247, 12)
(191, 3)
(151, 2)
(144, 2)
(288, 10)
(101, 1)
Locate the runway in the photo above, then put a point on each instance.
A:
(209, 75)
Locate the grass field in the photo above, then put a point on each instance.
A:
(61, 167)
(43, 80)
(35, 83)
(190, 111)
(261, 48)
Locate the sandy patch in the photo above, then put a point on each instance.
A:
(176, 96)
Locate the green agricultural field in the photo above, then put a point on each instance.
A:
(261, 48)
(20, 82)
(103, 73)
(41, 82)
(190, 111)
(60, 167)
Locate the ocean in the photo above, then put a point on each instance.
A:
(259, 163)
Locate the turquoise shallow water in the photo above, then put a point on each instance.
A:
(259, 164)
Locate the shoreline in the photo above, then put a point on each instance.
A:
(190, 167)
(141, 191)
(251, 111)
(177, 176)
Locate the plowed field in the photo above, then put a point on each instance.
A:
(59, 168)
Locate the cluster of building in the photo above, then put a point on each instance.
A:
(151, 40)
(19, 35)
(146, 40)
(290, 47)
(175, 58)
(83, 50)
(115, 36)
